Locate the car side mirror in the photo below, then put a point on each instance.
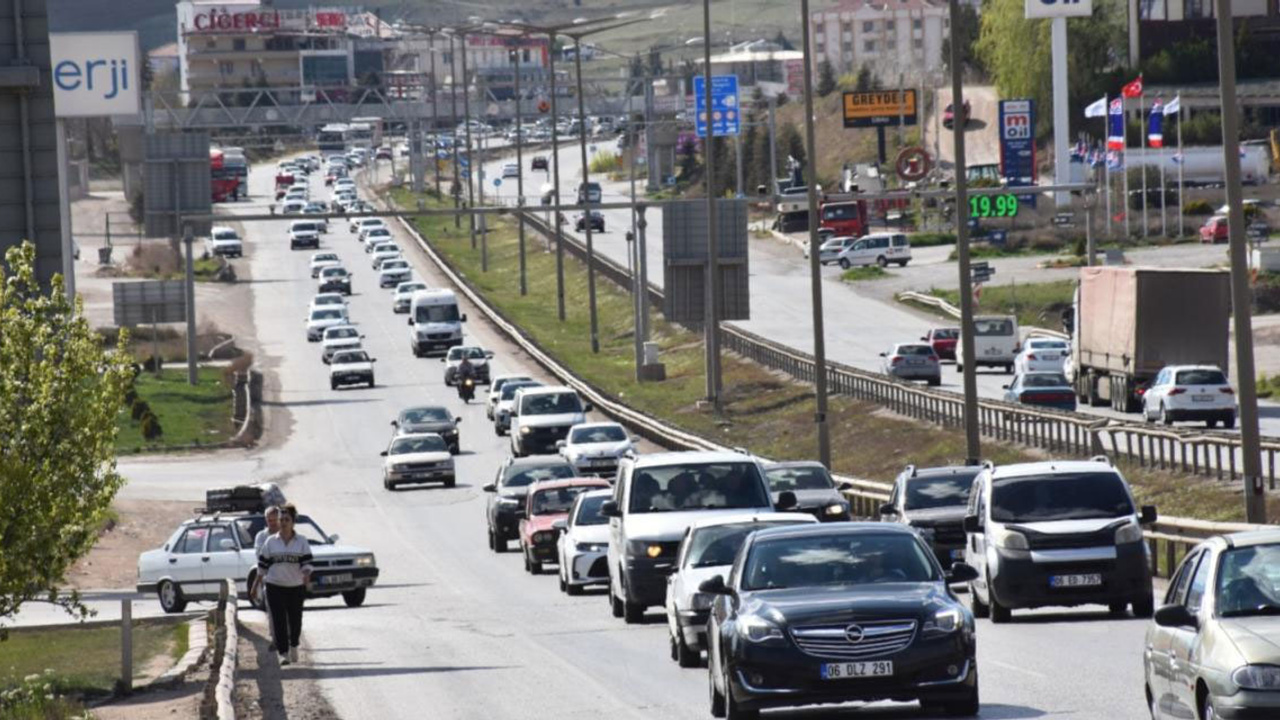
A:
(587, 407)
(1175, 616)
(786, 500)
(395, 423)
(972, 523)
(714, 586)
(634, 438)
(383, 453)
(333, 538)
(488, 354)
(560, 525)
(227, 544)
(1148, 515)
(844, 486)
(882, 354)
(560, 444)
(888, 509)
(457, 420)
(464, 317)
(490, 487)
(441, 359)
(609, 508)
(373, 360)
(1004, 387)
(410, 322)
(962, 573)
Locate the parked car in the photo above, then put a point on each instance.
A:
(542, 416)
(1046, 389)
(816, 492)
(510, 170)
(1041, 355)
(583, 544)
(1215, 230)
(595, 448)
(430, 419)
(881, 249)
(1056, 533)
(708, 549)
(548, 502)
(335, 279)
(477, 356)
(1211, 650)
(829, 251)
(495, 391)
(1197, 393)
(225, 241)
(417, 458)
(995, 343)
(351, 367)
(596, 222)
(320, 319)
(934, 501)
(861, 625)
(508, 490)
(943, 341)
(911, 361)
(339, 337)
(539, 162)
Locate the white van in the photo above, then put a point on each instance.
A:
(995, 342)
(878, 249)
(434, 321)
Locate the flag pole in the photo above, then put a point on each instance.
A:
(1146, 227)
(1124, 163)
(1181, 209)
(1106, 166)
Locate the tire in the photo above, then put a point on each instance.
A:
(733, 711)
(1008, 369)
(417, 352)
(564, 586)
(371, 382)
(1117, 608)
(1211, 424)
(959, 367)
(967, 707)
(333, 384)
(632, 614)
(686, 657)
(882, 261)
(615, 605)
(354, 598)
(571, 589)
(935, 381)
(533, 566)
(1144, 607)
(844, 264)
(979, 608)
(451, 482)
(1207, 710)
(171, 599)
(388, 485)
(903, 263)
(717, 698)
(999, 613)
(1165, 418)
(1229, 422)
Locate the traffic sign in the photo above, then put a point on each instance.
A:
(726, 113)
(1064, 219)
(466, 174)
(913, 164)
(497, 182)
(1036, 9)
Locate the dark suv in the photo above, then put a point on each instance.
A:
(816, 492)
(934, 501)
(508, 491)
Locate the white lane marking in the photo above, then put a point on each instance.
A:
(1017, 669)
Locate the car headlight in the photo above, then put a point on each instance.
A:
(835, 509)
(1011, 540)
(944, 622)
(642, 548)
(451, 431)
(1130, 533)
(365, 561)
(525, 430)
(508, 502)
(544, 537)
(1257, 677)
(701, 601)
(758, 630)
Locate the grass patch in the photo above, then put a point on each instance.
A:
(188, 415)
(932, 239)
(762, 410)
(867, 272)
(85, 661)
(1036, 304)
(1268, 386)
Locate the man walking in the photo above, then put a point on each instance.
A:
(284, 561)
(272, 516)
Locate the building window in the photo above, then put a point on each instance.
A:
(525, 56)
(917, 24)
(892, 44)
(868, 26)
(890, 25)
(846, 27)
(821, 47)
(237, 44)
(869, 46)
(210, 44)
(917, 44)
(226, 67)
(1194, 9)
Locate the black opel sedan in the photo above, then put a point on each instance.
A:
(836, 613)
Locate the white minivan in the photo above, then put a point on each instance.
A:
(877, 249)
(434, 321)
(995, 342)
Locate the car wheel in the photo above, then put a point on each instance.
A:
(387, 484)
(999, 613)
(717, 697)
(1211, 424)
(497, 430)
(1207, 710)
(903, 263)
(371, 382)
(882, 261)
(935, 381)
(615, 605)
(333, 384)
(1229, 421)
(968, 707)
(1165, 417)
(632, 614)
(451, 482)
(1008, 369)
(417, 352)
(844, 264)
(1117, 608)
(535, 567)
(1145, 607)
(171, 600)
(979, 608)
(959, 367)
(354, 598)
(564, 586)
(489, 537)
(686, 657)
(571, 589)
(734, 711)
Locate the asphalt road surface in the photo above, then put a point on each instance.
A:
(455, 631)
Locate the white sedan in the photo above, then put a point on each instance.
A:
(321, 319)
(350, 367)
(708, 549)
(583, 544)
(417, 458)
(595, 448)
(393, 271)
(385, 251)
(1041, 355)
(327, 299)
(371, 236)
(404, 295)
(360, 223)
(339, 337)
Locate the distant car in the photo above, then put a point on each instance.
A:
(495, 391)
(477, 356)
(1041, 355)
(583, 544)
(1047, 389)
(374, 235)
(949, 115)
(327, 300)
(881, 249)
(594, 448)
(225, 241)
(417, 458)
(335, 279)
(589, 194)
(358, 224)
(339, 337)
(430, 419)
(351, 367)
(404, 295)
(383, 251)
(540, 417)
(816, 492)
(304, 233)
(1215, 230)
(911, 361)
(510, 170)
(316, 208)
(539, 162)
(293, 207)
(321, 319)
(383, 153)
(394, 271)
(596, 221)
(546, 503)
(502, 408)
(943, 341)
(508, 490)
(1190, 392)
(322, 260)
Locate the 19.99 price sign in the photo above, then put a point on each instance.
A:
(993, 206)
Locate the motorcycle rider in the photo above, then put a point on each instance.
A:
(466, 371)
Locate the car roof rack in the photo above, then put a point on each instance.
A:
(1103, 459)
(909, 470)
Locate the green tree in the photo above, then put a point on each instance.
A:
(60, 395)
(826, 78)
(867, 80)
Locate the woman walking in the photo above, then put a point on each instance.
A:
(284, 563)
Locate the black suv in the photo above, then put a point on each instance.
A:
(539, 162)
(506, 503)
(933, 501)
(816, 492)
(875, 619)
(596, 221)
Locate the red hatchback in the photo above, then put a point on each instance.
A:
(943, 341)
(1214, 230)
(546, 503)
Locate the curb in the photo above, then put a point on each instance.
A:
(226, 673)
(197, 645)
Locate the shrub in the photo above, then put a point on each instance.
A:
(1197, 207)
(151, 426)
(139, 409)
(931, 239)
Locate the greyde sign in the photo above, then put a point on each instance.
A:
(95, 74)
(1036, 9)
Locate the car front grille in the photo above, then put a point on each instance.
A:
(439, 336)
(341, 562)
(878, 639)
(599, 568)
(950, 534)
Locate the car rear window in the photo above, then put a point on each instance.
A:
(993, 327)
(598, 434)
(1200, 377)
(1068, 496)
(946, 334)
(925, 493)
(1045, 380)
(915, 350)
(521, 475)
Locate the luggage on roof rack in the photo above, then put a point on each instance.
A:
(243, 498)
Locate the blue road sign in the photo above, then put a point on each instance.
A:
(497, 182)
(465, 174)
(726, 110)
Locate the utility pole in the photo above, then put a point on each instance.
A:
(524, 284)
(193, 376)
(584, 198)
(773, 147)
(815, 269)
(435, 114)
(1255, 500)
(453, 129)
(973, 447)
(555, 177)
(472, 165)
(711, 305)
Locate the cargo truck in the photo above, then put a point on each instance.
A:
(1129, 323)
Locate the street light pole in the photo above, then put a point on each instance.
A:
(555, 177)
(471, 160)
(815, 269)
(584, 197)
(711, 314)
(435, 113)
(453, 130)
(524, 284)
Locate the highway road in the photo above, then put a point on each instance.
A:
(455, 631)
(861, 319)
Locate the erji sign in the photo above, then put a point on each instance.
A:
(95, 74)
(1036, 9)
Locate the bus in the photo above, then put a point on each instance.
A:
(366, 132)
(225, 181)
(333, 138)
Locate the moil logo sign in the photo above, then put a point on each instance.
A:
(1015, 120)
(1036, 9)
(95, 74)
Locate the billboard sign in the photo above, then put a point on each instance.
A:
(95, 74)
(1018, 145)
(879, 108)
(726, 113)
(1038, 9)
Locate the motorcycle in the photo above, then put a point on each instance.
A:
(467, 390)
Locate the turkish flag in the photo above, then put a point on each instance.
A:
(1133, 89)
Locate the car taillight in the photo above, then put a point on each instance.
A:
(895, 361)
(1031, 357)
(1227, 390)
(1177, 391)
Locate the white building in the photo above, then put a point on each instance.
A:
(894, 37)
(762, 64)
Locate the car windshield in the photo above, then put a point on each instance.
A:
(557, 500)
(1200, 377)
(327, 300)
(326, 257)
(521, 475)
(248, 528)
(341, 333)
(1249, 581)
(1047, 345)
(589, 511)
(379, 232)
(386, 247)
(923, 350)
(597, 434)
(807, 477)
(551, 404)
(435, 314)
(355, 356)
(471, 353)
(1045, 380)
(226, 235)
(326, 314)
(414, 416)
(926, 493)
(719, 544)
(1069, 496)
(333, 272)
(395, 264)
(836, 559)
(998, 326)
(509, 390)
(409, 288)
(695, 487)
(946, 334)
(423, 444)
(304, 227)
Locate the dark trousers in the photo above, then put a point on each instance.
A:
(285, 606)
